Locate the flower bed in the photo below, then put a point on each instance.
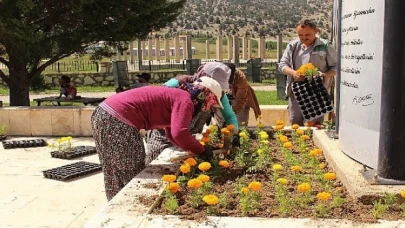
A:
(284, 176)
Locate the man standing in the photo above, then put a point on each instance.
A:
(308, 48)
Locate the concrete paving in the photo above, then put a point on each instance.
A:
(27, 199)
(6, 99)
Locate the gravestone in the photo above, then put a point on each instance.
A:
(372, 78)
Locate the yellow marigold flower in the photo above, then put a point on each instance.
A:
(260, 151)
(282, 181)
(211, 199)
(277, 167)
(204, 166)
(304, 187)
(300, 131)
(169, 178)
(296, 168)
(212, 127)
(295, 126)
(322, 165)
(403, 193)
(279, 122)
(265, 141)
(194, 183)
(185, 168)
(244, 190)
(305, 137)
(260, 125)
(255, 186)
(264, 136)
(288, 145)
(191, 161)
(225, 131)
(243, 123)
(173, 187)
(223, 164)
(202, 143)
(324, 196)
(243, 134)
(203, 178)
(329, 176)
(315, 152)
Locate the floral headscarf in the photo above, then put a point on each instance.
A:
(199, 94)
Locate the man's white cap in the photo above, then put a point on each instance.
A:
(218, 71)
(212, 85)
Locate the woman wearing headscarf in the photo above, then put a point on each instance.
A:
(156, 140)
(117, 121)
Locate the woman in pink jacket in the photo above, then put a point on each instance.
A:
(116, 123)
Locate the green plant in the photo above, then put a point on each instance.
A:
(249, 201)
(321, 210)
(171, 204)
(379, 208)
(63, 144)
(338, 201)
(3, 129)
(223, 200)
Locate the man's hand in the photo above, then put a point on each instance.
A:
(207, 154)
(298, 77)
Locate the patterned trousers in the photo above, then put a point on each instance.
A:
(120, 149)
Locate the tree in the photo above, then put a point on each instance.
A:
(33, 30)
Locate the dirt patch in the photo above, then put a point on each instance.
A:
(148, 200)
(227, 182)
(151, 186)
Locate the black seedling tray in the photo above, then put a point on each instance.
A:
(24, 143)
(3, 137)
(77, 151)
(313, 98)
(74, 170)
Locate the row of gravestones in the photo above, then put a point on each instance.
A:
(65, 172)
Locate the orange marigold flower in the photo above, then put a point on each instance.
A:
(403, 193)
(206, 135)
(204, 166)
(255, 186)
(279, 122)
(202, 143)
(295, 126)
(173, 187)
(315, 152)
(169, 178)
(304, 187)
(211, 199)
(230, 127)
(279, 127)
(185, 168)
(300, 132)
(288, 145)
(296, 168)
(323, 196)
(191, 161)
(223, 164)
(208, 131)
(194, 183)
(205, 139)
(203, 178)
(284, 139)
(329, 176)
(244, 190)
(305, 137)
(220, 145)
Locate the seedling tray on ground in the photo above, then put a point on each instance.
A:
(77, 151)
(3, 137)
(24, 143)
(313, 98)
(71, 171)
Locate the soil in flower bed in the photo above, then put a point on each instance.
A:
(228, 179)
(148, 200)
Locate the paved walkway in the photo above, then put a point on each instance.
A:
(6, 99)
(27, 199)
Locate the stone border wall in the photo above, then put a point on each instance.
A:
(107, 79)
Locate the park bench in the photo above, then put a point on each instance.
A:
(84, 100)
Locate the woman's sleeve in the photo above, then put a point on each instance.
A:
(227, 112)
